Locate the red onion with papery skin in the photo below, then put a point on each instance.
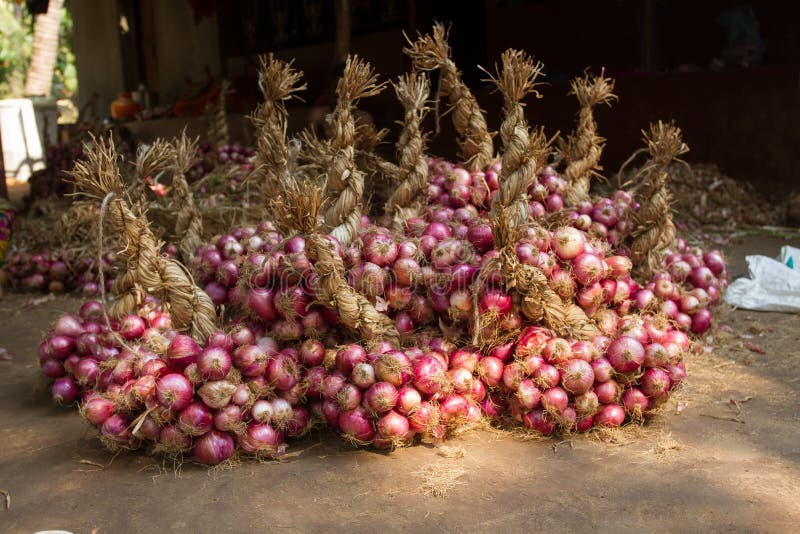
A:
(182, 351)
(228, 419)
(220, 340)
(714, 261)
(537, 420)
(676, 374)
(587, 268)
(216, 394)
(577, 376)
(59, 347)
(494, 301)
(502, 352)
(465, 358)
(282, 372)
(610, 416)
(332, 384)
(96, 409)
(608, 391)
(513, 374)
(392, 426)
(655, 383)
(587, 403)
(528, 394)
(585, 350)
(363, 375)
(261, 411)
(656, 355)
(625, 354)
(52, 368)
(195, 419)
(251, 360)
(299, 423)
(282, 413)
(568, 242)
(261, 301)
(348, 356)
(356, 425)
(214, 363)
(461, 379)
(547, 376)
(702, 277)
(349, 397)
(701, 321)
(635, 401)
(69, 326)
(562, 283)
(555, 400)
(314, 382)
(213, 447)
(263, 440)
(491, 369)
(87, 371)
(91, 310)
(393, 367)
(174, 391)
(381, 397)
(408, 400)
(453, 407)
(557, 350)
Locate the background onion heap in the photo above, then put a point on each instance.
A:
(493, 289)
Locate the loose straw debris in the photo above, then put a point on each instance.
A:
(655, 230)
(430, 52)
(146, 270)
(583, 148)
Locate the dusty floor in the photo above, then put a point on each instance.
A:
(725, 456)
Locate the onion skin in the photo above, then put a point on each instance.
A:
(213, 448)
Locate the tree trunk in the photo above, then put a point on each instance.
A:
(45, 49)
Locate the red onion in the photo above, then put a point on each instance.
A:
(213, 448)
(610, 416)
(52, 368)
(91, 310)
(195, 419)
(363, 375)
(701, 321)
(408, 400)
(59, 347)
(655, 382)
(568, 242)
(87, 371)
(635, 401)
(299, 423)
(261, 301)
(577, 376)
(587, 268)
(620, 266)
(557, 350)
(453, 407)
(348, 356)
(356, 425)
(380, 249)
(174, 391)
(607, 392)
(625, 354)
(182, 351)
(547, 376)
(216, 394)
(513, 374)
(282, 372)
(68, 325)
(251, 360)
(392, 426)
(656, 355)
(528, 394)
(393, 367)
(381, 397)
(494, 301)
(349, 397)
(490, 369)
(64, 390)
(480, 235)
(587, 403)
(228, 419)
(537, 420)
(214, 363)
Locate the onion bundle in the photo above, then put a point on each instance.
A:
(488, 299)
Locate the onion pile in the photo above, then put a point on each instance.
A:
(285, 362)
(58, 271)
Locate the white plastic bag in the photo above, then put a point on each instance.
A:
(773, 285)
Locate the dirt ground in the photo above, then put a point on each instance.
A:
(724, 456)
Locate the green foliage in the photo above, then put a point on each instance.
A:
(16, 39)
(16, 42)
